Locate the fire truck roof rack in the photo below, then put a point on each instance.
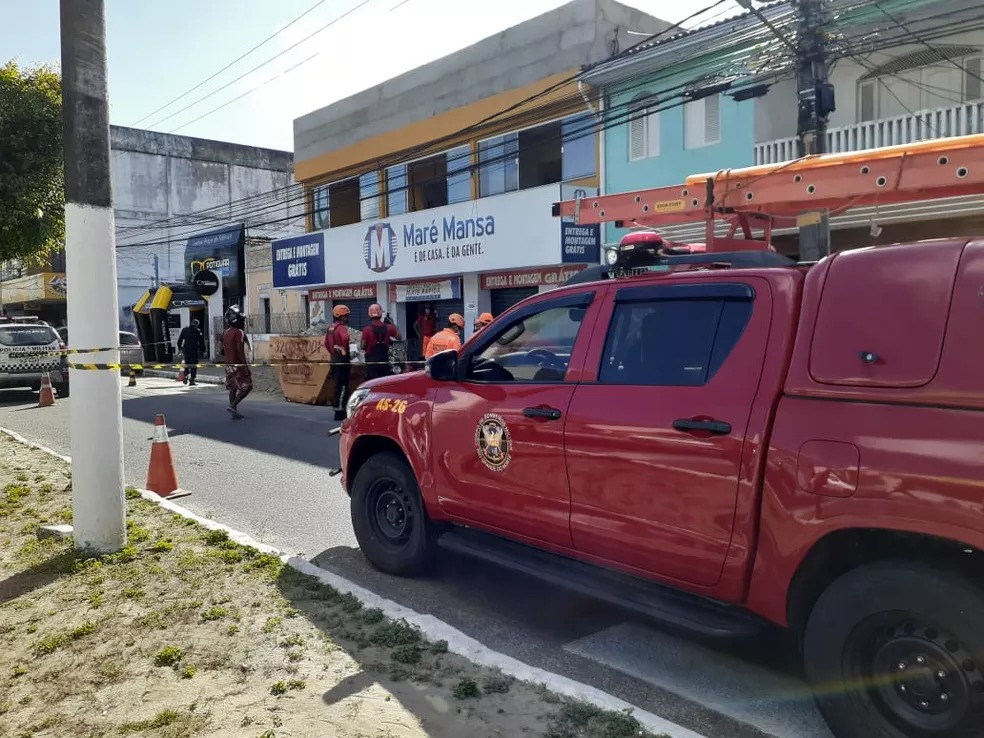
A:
(783, 195)
(731, 260)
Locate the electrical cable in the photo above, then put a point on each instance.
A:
(263, 64)
(230, 64)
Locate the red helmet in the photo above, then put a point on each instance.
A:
(455, 319)
(340, 311)
(375, 310)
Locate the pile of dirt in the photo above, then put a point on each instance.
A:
(187, 633)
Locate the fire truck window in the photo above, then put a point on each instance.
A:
(536, 348)
(680, 343)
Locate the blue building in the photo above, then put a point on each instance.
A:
(724, 96)
(685, 104)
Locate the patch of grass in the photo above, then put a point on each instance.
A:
(271, 624)
(51, 643)
(497, 684)
(466, 689)
(397, 633)
(409, 654)
(96, 598)
(215, 537)
(136, 533)
(295, 655)
(265, 564)
(577, 718)
(278, 688)
(232, 630)
(291, 641)
(22, 477)
(161, 546)
(132, 493)
(18, 670)
(188, 672)
(168, 656)
(133, 593)
(125, 555)
(439, 647)
(214, 613)
(372, 616)
(160, 720)
(350, 603)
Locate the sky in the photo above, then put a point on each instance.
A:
(159, 50)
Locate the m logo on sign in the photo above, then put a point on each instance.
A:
(379, 247)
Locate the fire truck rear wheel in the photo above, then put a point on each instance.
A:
(895, 650)
(388, 515)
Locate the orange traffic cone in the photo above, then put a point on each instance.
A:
(47, 396)
(161, 477)
(181, 374)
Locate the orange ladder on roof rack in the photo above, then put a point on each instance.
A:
(775, 195)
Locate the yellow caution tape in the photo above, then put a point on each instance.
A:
(178, 367)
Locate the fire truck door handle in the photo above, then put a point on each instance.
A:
(716, 427)
(548, 413)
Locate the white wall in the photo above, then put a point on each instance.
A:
(775, 113)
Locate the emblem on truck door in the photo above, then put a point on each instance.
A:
(493, 442)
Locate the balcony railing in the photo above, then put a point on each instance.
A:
(959, 120)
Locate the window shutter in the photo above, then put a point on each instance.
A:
(973, 86)
(712, 119)
(637, 135)
(652, 134)
(693, 124)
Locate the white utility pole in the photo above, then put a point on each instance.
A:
(95, 421)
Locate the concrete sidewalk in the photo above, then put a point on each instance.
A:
(206, 375)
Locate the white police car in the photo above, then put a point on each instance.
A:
(29, 349)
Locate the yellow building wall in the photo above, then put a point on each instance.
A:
(446, 128)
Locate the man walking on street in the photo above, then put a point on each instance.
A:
(337, 342)
(449, 338)
(376, 340)
(191, 343)
(239, 378)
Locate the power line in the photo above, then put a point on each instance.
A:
(230, 64)
(260, 66)
(297, 192)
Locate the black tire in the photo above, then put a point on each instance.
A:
(62, 390)
(388, 515)
(886, 641)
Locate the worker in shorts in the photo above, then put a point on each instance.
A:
(449, 338)
(239, 377)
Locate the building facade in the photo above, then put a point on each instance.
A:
(436, 186)
(899, 72)
(182, 204)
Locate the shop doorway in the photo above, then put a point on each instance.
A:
(415, 310)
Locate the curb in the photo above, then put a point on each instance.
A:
(432, 628)
(162, 374)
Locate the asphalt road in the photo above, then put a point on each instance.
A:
(266, 475)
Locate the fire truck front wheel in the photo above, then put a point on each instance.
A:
(388, 516)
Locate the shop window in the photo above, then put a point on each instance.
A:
(459, 174)
(369, 196)
(319, 206)
(578, 147)
(498, 165)
(396, 189)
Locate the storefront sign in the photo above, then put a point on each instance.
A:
(299, 261)
(34, 287)
(530, 278)
(205, 282)
(219, 251)
(580, 244)
(441, 289)
(348, 292)
(500, 232)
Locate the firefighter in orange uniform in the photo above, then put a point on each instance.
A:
(483, 320)
(449, 338)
